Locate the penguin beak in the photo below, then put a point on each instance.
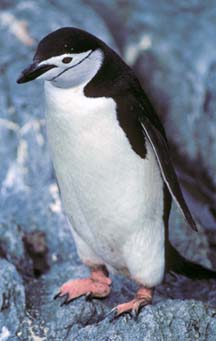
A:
(33, 71)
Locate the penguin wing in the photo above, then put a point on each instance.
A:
(159, 144)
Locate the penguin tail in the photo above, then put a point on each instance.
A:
(178, 264)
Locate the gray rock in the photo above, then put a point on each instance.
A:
(12, 300)
(170, 321)
(34, 235)
(166, 319)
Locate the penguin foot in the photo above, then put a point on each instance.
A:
(96, 286)
(143, 297)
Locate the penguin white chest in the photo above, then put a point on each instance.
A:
(113, 197)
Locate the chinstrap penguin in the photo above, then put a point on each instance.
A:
(112, 164)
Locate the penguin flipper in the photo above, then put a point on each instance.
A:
(161, 150)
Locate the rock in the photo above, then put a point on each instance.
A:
(35, 238)
(79, 320)
(170, 320)
(37, 249)
(12, 300)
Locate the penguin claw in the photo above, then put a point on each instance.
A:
(134, 313)
(57, 295)
(132, 308)
(88, 296)
(66, 301)
(112, 314)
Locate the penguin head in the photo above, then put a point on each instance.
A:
(67, 57)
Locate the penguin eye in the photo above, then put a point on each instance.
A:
(67, 60)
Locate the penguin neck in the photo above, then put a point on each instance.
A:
(51, 88)
(59, 100)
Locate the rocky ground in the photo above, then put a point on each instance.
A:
(171, 46)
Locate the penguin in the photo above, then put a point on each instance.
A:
(113, 167)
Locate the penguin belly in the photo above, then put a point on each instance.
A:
(112, 197)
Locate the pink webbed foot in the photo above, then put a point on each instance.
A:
(96, 286)
(142, 298)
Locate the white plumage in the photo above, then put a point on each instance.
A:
(113, 197)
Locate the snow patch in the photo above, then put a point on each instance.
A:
(4, 334)
(17, 27)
